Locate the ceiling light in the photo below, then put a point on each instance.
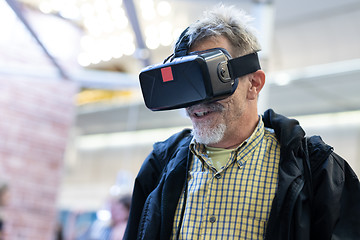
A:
(45, 7)
(151, 31)
(114, 3)
(56, 5)
(164, 8)
(130, 49)
(152, 43)
(121, 24)
(83, 59)
(100, 6)
(165, 30)
(148, 14)
(147, 9)
(87, 10)
(70, 12)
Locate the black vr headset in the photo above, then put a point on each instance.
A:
(198, 77)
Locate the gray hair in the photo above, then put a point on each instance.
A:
(232, 23)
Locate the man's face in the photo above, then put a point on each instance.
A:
(213, 123)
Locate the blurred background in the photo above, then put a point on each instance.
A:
(74, 130)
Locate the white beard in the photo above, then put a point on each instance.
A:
(207, 135)
(205, 132)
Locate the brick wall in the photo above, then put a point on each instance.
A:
(35, 117)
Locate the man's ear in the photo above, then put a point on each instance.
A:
(257, 81)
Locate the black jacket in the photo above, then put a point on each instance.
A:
(318, 194)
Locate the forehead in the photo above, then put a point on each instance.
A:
(212, 42)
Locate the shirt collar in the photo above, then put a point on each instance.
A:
(200, 149)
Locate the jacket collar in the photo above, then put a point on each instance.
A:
(291, 168)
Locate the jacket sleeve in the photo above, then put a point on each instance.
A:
(348, 225)
(145, 182)
(336, 202)
(149, 176)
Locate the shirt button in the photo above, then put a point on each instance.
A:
(212, 219)
(218, 176)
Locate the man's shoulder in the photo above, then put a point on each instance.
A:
(163, 152)
(317, 146)
(318, 151)
(323, 158)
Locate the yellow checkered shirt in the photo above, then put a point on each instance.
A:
(235, 201)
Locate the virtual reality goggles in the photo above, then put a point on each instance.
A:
(199, 77)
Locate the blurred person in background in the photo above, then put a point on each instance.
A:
(238, 174)
(4, 196)
(119, 210)
(114, 229)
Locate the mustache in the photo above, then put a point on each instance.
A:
(213, 107)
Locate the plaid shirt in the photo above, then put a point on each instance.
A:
(235, 201)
